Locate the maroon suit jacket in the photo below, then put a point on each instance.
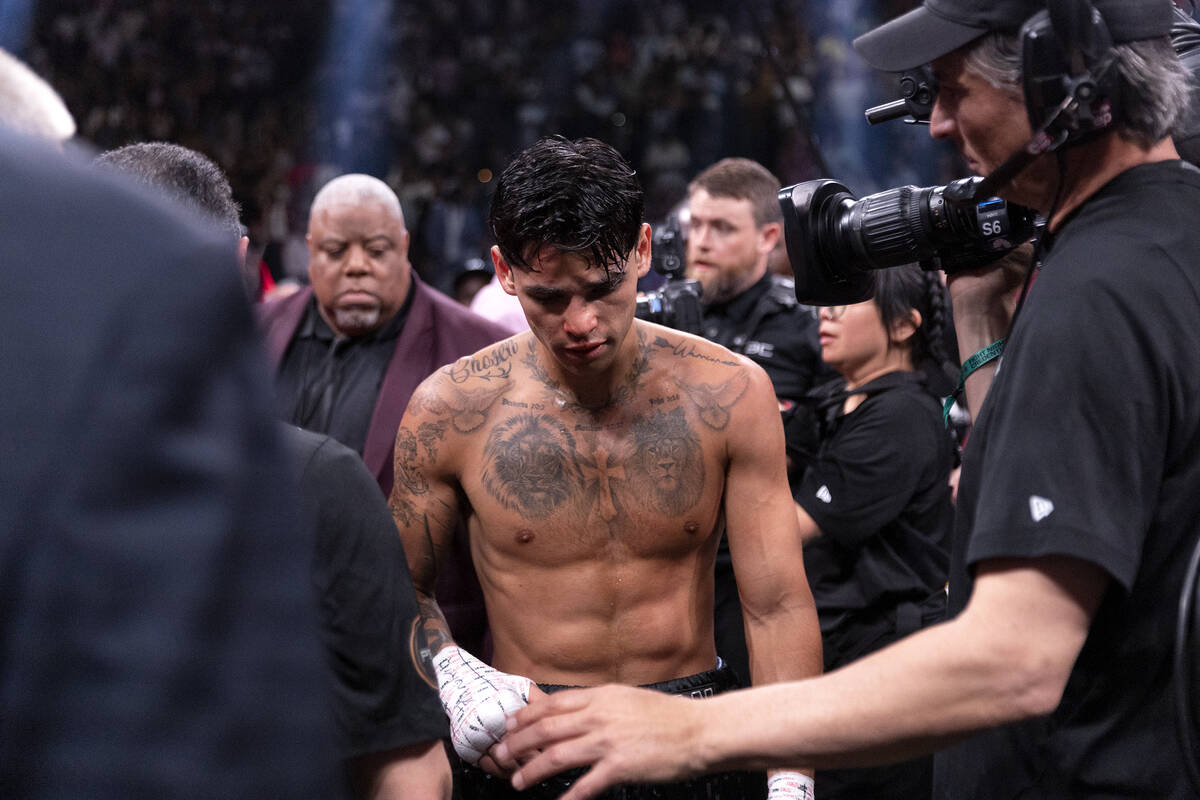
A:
(437, 331)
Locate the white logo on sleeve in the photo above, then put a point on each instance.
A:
(1040, 508)
(823, 495)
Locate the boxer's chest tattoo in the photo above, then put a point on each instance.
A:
(491, 365)
(549, 456)
(535, 465)
(466, 409)
(564, 400)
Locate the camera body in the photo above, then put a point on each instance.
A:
(833, 240)
(677, 303)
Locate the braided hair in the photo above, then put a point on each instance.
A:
(899, 291)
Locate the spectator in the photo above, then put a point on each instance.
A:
(389, 721)
(351, 349)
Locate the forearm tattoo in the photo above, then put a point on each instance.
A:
(437, 630)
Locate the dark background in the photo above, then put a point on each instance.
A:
(434, 96)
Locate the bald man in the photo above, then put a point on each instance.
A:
(350, 350)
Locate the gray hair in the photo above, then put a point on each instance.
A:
(1152, 85)
(356, 188)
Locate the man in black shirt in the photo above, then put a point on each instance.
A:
(351, 349)
(734, 223)
(155, 640)
(389, 721)
(1080, 496)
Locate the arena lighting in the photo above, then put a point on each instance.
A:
(352, 87)
(16, 20)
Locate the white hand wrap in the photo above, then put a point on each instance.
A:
(477, 700)
(790, 786)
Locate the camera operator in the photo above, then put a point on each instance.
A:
(734, 225)
(1080, 496)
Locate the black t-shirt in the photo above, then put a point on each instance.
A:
(879, 491)
(384, 687)
(329, 383)
(1088, 445)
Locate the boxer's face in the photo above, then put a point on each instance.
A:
(358, 264)
(578, 311)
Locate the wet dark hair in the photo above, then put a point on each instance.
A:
(900, 290)
(577, 196)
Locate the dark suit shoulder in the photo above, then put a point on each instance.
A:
(276, 308)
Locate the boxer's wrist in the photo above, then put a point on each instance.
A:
(477, 700)
(790, 786)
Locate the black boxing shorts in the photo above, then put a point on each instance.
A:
(472, 783)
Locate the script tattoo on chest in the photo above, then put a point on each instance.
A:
(491, 365)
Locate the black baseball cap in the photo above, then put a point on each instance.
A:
(938, 27)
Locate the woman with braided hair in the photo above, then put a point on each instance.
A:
(874, 501)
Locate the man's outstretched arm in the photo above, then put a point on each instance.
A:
(416, 771)
(1006, 657)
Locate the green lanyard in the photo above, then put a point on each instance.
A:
(989, 353)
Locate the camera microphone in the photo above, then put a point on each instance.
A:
(919, 89)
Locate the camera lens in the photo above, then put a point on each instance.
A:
(883, 229)
(833, 239)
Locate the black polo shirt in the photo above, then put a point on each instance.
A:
(766, 324)
(328, 383)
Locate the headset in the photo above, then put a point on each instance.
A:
(1066, 65)
(1069, 87)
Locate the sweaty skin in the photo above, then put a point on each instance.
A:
(593, 530)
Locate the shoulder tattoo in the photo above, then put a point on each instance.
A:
(684, 349)
(495, 363)
(467, 409)
(714, 401)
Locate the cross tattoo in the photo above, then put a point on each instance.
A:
(599, 471)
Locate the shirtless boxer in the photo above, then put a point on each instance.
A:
(596, 460)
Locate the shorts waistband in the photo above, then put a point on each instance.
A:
(702, 684)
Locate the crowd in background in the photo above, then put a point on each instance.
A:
(279, 95)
